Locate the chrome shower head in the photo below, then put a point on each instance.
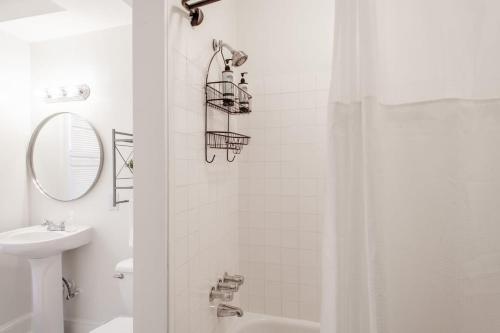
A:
(238, 57)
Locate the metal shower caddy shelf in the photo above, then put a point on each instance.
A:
(225, 139)
(215, 97)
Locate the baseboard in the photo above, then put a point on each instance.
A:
(77, 325)
(21, 324)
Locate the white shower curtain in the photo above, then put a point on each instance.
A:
(412, 230)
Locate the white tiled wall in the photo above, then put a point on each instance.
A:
(260, 215)
(281, 196)
(281, 171)
(203, 198)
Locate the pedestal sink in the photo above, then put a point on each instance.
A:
(43, 249)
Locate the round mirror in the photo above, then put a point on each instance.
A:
(65, 156)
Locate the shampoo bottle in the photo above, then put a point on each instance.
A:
(227, 85)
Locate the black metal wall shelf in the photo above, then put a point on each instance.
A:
(215, 97)
(238, 103)
(227, 140)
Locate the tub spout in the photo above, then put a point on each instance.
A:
(224, 310)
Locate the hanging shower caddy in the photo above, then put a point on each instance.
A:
(215, 99)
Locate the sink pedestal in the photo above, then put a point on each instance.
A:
(43, 248)
(46, 277)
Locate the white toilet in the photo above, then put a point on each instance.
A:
(124, 274)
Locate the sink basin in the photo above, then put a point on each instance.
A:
(36, 242)
(44, 249)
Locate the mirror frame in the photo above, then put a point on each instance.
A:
(29, 157)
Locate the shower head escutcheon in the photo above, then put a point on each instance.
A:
(195, 13)
(238, 57)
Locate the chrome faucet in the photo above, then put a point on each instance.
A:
(224, 310)
(51, 226)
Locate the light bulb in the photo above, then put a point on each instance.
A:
(73, 91)
(54, 93)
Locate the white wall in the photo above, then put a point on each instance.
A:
(282, 170)
(103, 60)
(150, 177)
(15, 285)
(204, 201)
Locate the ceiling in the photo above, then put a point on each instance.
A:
(38, 20)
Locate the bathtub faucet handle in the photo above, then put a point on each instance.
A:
(223, 295)
(227, 286)
(238, 279)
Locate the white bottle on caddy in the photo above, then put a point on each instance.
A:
(227, 85)
(243, 94)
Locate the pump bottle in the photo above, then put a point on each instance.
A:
(227, 85)
(243, 94)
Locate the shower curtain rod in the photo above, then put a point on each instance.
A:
(195, 12)
(197, 4)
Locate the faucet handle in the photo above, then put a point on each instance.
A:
(61, 226)
(223, 295)
(46, 223)
(238, 279)
(228, 286)
(51, 226)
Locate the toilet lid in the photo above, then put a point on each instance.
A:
(117, 325)
(125, 266)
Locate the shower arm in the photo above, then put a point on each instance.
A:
(220, 45)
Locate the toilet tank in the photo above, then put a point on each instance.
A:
(124, 274)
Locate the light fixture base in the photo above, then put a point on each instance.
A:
(67, 94)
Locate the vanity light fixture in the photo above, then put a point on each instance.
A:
(67, 94)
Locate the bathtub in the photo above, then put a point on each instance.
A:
(258, 323)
